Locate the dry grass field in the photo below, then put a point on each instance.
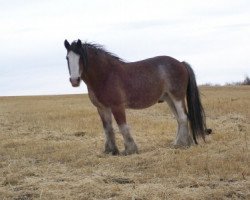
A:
(51, 147)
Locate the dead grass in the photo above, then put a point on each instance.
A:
(51, 148)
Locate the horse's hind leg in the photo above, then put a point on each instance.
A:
(120, 117)
(110, 145)
(171, 106)
(183, 137)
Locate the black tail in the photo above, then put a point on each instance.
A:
(196, 112)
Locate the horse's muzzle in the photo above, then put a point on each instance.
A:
(75, 82)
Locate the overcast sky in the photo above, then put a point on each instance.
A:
(213, 36)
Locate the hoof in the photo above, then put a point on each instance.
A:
(113, 151)
(177, 146)
(182, 144)
(130, 148)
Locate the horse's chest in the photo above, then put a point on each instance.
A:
(94, 99)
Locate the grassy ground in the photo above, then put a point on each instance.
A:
(51, 148)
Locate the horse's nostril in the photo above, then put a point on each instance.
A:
(75, 81)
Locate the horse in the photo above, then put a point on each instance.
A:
(115, 85)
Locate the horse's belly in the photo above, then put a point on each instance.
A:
(140, 105)
(143, 99)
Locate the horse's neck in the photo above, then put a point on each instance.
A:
(99, 69)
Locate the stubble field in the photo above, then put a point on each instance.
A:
(51, 147)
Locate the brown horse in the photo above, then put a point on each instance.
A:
(114, 85)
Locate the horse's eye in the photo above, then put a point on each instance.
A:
(67, 57)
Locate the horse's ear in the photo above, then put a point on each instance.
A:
(79, 43)
(66, 44)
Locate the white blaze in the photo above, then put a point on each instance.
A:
(74, 67)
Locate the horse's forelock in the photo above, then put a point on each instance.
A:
(82, 51)
(73, 47)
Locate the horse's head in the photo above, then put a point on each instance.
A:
(75, 56)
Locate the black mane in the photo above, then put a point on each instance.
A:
(99, 49)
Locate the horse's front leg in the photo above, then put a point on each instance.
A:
(110, 145)
(120, 117)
